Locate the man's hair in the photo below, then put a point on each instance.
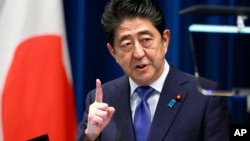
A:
(118, 10)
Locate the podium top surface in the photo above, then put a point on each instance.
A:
(216, 10)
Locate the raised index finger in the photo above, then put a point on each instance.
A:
(98, 93)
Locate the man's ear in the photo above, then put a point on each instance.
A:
(111, 49)
(166, 37)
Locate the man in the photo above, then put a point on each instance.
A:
(138, 41)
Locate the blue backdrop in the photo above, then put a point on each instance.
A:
(222, 56)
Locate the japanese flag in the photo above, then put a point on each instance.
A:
(35, 79)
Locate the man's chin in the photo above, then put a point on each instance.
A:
(143, 80)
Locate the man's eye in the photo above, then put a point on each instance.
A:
(146, 40)
(126, 47)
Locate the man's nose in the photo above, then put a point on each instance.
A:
(138, 51)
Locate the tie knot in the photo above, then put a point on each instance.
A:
(144, 92)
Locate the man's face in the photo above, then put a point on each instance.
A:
(140, 49)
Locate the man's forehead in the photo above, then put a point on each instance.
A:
(135, 27)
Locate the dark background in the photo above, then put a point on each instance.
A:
(221, 57)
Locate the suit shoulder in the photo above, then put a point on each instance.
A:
(116, 82)
(202, 81)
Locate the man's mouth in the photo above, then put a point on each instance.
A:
(140, 66)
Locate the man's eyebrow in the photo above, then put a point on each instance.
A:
(124, 37)
(143, 32)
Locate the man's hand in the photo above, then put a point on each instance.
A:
(99, 115)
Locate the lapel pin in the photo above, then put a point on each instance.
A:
(171, 103)
(178, 97)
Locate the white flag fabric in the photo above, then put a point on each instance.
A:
(35, 79)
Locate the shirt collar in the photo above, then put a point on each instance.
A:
(157, 85)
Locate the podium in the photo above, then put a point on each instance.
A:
(237, 98)
(216, 10)
(241, 14)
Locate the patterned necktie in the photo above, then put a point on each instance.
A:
(142, 117)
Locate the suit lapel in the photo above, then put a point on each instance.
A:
(165, 115)
(121, 101)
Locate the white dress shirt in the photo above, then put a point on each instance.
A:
(154, 98)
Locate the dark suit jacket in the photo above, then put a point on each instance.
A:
(195, 118)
